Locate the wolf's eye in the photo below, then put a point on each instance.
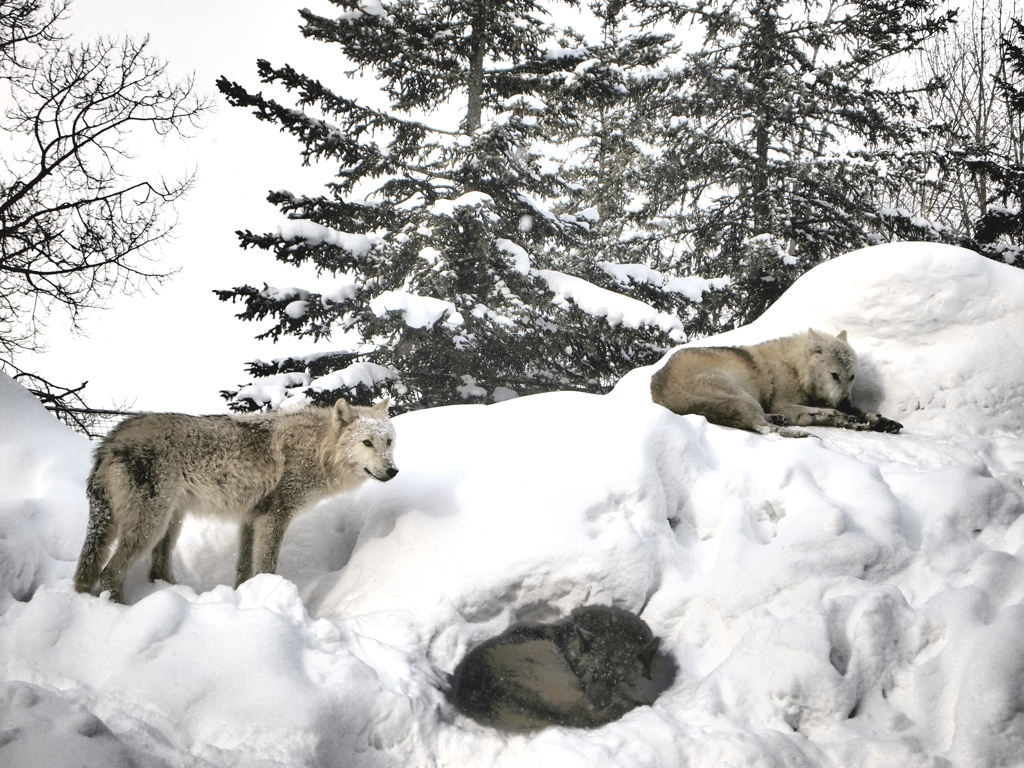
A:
(368, 443)
(853, 376)
(835, 376)
(389, 441)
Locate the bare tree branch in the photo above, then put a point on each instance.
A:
(76, 221)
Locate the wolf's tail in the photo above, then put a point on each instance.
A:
(98, 536)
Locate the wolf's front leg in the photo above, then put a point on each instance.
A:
(269, 532)
(813, 416)
(779, 425)
(243, 568)
(874, 422)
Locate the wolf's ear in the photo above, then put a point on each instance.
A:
(647, 654)
(344, 414)
(584, 637)
(381, 408)
(841, 335)
(815, 342)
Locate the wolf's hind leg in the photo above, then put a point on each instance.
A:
(146, 524)
(99, 537)
(161, 567)
(739, 410)
(130, 547)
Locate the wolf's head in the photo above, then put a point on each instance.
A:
(365, 439)
(611, 651)
(830, 371)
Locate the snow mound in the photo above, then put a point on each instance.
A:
(930, 324)
(854, 599)
(43, 466)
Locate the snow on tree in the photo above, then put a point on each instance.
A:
(451, 226)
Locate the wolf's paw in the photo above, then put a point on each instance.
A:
(881, 424)
(777, 419)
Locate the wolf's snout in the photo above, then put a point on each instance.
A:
(389, 473)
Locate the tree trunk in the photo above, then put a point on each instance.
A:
(767, 33)
(478, 48)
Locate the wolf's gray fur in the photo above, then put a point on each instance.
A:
(258, 469)
(802, 380)
(584, 671)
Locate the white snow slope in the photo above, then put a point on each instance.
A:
(851, 599)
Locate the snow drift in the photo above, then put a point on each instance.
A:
(853, 599)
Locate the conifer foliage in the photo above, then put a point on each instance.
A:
(449, 227)
(785, 138)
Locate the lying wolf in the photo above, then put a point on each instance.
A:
(583, 671)
(801, 380)
(259, 469)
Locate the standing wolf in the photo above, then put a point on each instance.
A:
(259, 469)
(803, 380)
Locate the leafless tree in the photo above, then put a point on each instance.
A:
(969, 61)
(76, 221)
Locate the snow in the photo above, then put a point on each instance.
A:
(297, 309)
(851, 599)
(616, 308)
(445, 207)
(372, 8)
(287, 391)
(554, 54)
(274, 389)
(692, 287)
(417, 311)
(520, 256)
(362, 373)
(316, 234)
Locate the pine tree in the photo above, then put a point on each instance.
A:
(784, 140)
(622, 98)
(460, 280)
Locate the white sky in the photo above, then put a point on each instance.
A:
(176, 349)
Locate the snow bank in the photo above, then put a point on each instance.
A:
(850, 600)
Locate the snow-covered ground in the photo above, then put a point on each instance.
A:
(853, 599)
